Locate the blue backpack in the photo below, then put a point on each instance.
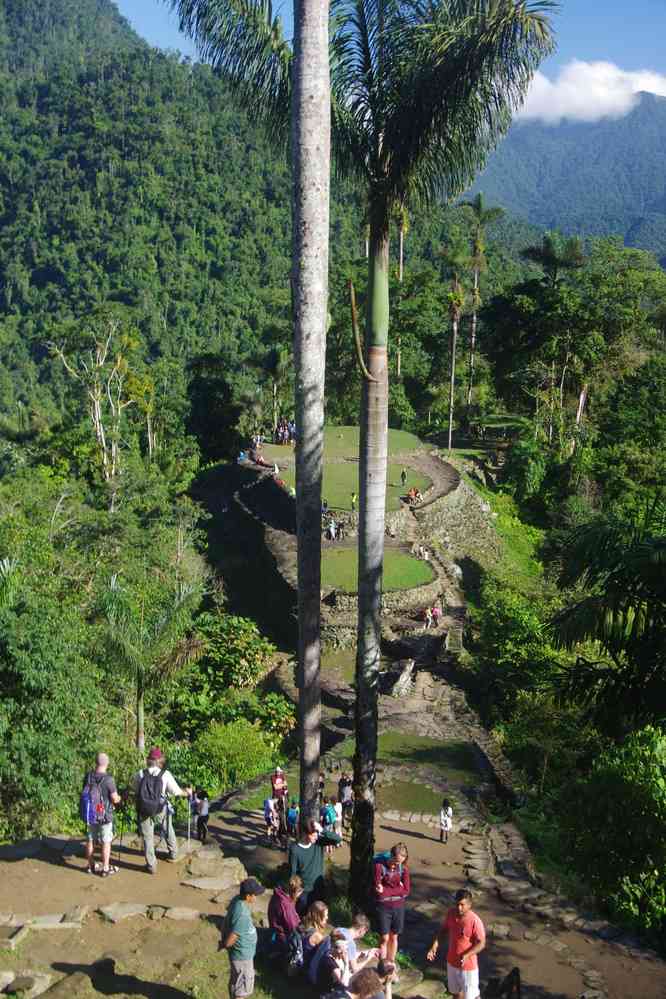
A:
(384, 859)
(292, 815)
(92, 806)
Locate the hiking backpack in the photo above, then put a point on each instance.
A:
(294, 953)
(292, 816)
(92, 807)
(331, 817)
(384, 859)
(149, 796)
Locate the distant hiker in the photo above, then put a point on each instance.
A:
(337, 825)
(327, 817)
(322, 785)
(392, 888)
(403, 477)
(293, 813)
(283, 918)
(427, 614)
(153, 786)
(279, 783)
(203, 810)
(466, 939)
(445, 821)
(306, 858)
(324, 507)
(347, 798)
(98, 796)
(240, 939)
(354, 497)
(271, 818)
(360, 925)
(436, 615)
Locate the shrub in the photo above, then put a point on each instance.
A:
(235, 753)
(237, 655)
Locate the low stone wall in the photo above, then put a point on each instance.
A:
(393, 601)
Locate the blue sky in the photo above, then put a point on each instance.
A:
(631, 35)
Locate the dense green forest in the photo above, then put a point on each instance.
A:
(145, 331)
(589, 178)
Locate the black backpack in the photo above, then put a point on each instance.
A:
(149, 796)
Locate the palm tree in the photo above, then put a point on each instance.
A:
(621, 569)
(482, 218)
(419, 95)
(277, 365)
(555, 255)
(456, 260)
(149, 646)
(401, 216)
(311, 167)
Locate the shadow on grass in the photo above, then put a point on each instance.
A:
(108, 982)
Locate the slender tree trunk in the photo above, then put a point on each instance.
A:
(551, 414)
(452, 386)
(372, 494)
(582, 399)
(140, 712)
(472, 344)
(401, 258)
(311, 184)
(275, 406)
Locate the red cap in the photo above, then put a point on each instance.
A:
(155, 754)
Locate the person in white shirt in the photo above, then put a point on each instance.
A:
(445, 821)
(203, 810)
(153, 806)
(337, 805)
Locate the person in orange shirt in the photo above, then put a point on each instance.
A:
(467, 938)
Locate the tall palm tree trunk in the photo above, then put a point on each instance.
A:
(311, 105)
(398, 369)
(472, 342)
(452, 385)
(372, 496)
(140, 711)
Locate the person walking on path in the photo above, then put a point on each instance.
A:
(466, 939)
(392, 888)
(445, 821)
(203, 810)
(403, 477)
(306, 858)
(354, 497)
(240, 939)
(153, 786)
(98, 796)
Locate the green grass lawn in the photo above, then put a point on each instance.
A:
(342, 442)
(454, 759)
(339, 569)
(341, 480)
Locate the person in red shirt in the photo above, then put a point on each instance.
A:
(392, 887)
(467, 938)
(279, 783)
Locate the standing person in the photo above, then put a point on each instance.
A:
(306, 858)
(279, 783)
(153, 786)
(270, 818)
(293, 813)
(240, 939)
(403, 477)
(467, 938)
(392, 888)
(98, 796)
(203, 810)
(428, 617)
(347, 796)
(282, 915)
(354, 497)
(445, 821)
(360, 925)
(337, 825)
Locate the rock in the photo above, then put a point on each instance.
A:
(77, 915)
(392, 816)
(47, 922)
(500, 930)
(425, 990)
(5, 918)
(181, 913)
(5, 978)
(28, 985)
(12, 936)
(410, 980)
(156, 912)
(76, 986)
(118, 911)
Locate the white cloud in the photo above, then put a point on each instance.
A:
(588, 91)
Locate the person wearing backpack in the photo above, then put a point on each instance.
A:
(392, 887)
(98, 796)
(153, 786)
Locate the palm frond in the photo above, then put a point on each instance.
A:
(244, 41)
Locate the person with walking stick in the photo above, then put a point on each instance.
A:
(153, 786)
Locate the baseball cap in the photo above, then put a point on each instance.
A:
(250, 886)
(279, 770)
(155, 754)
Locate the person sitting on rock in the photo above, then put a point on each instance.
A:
(153, 786)
(360, 926)
(283, 918)
(334, 968)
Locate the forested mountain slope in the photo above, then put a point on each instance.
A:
(599, 178)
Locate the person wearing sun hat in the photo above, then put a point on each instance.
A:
(240, 939)
(153, 786)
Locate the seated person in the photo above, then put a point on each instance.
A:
(313, 930)
(365, 984)
(334, 968)
(358, 959)
(282, 916)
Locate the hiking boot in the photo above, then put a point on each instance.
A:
(171, 860)
(150, 870)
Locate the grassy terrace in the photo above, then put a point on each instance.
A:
(341, 480)
(342, 442)
(339, 569)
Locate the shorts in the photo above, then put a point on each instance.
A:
(390, 920)
(101, 832)
(466, 982)
(241, 979)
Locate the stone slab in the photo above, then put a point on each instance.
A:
(12, 936)
(78, 914)
(180, 912)
(118, 911)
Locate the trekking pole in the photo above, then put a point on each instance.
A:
(123, 814)
(189, 819)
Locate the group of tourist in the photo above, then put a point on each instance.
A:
(414, 496)
(432, 616)
(300, 936)
(285, 431)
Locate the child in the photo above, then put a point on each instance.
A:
(445, 821)
(270, 818)
(292, 819)
(203, 808)
(337, 805)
